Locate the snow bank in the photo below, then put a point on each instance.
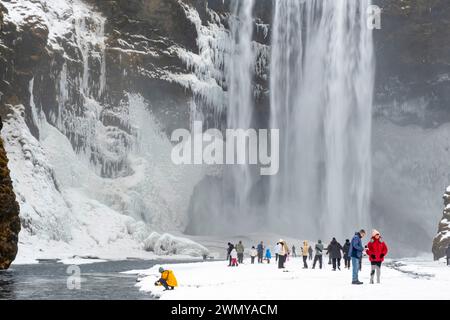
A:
(214, 280)
(167, 244)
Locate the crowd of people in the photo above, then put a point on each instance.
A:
(351, 252)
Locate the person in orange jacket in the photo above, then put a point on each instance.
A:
(167, 280)
(376, 250)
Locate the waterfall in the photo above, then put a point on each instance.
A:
(239, 71)
(321, 87)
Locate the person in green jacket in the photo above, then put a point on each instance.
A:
(240, 252)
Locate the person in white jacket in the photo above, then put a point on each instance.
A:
(253, 254)
(234, 257)
(276, 251)
(281, 254)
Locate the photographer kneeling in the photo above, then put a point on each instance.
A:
(167, 280)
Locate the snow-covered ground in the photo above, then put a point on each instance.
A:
(419, 278)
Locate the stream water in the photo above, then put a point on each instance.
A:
(99, 281)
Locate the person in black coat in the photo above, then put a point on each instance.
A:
(345, 249)
(334, 250)
(229, 249)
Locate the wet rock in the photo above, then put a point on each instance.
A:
(442, 239)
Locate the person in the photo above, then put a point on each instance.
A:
(229, 249)
(355, 252)
(376, 250)
(448, 254)
(305, 253)
(234, 257)
(294, 253)
(334, 250)
(346, 256)
(310, 251)
(240, 252)
(318, 255)
(268, 255)
(281, 254)
(167, 280)
(253, 254)
(260, 249)
(276, 250)
(287, 252)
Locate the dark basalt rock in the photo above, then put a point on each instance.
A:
(442, 239)
(413, 56)
(9, 214)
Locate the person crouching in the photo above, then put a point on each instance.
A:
(167, 280)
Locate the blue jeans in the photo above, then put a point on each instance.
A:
(164, 283)
(355, 268)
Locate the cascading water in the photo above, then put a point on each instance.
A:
(238, 179)
(321, 86)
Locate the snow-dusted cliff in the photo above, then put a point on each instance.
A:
(90, 157)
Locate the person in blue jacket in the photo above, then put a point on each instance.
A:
(355, 252)
(268, 255)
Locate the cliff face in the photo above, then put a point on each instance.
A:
(9, 208)
(442, 239)
(413, 67)
(9, 214)
(413, 60)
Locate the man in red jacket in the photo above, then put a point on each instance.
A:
(376, 250)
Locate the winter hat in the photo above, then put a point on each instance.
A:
(161, 269)
(320, 241)
(375, 232)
